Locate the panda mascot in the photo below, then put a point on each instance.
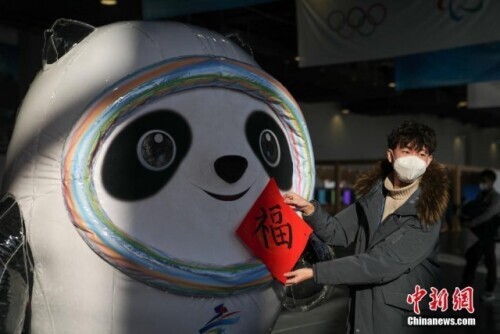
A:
(136, 154)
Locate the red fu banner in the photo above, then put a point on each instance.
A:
(274, 232)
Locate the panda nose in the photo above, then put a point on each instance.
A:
(230, 168)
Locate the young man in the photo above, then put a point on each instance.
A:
(395, 226)
(482, 216)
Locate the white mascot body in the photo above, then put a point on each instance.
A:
(136, 155)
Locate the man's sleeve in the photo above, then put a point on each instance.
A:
(338, 230)
(400, 252)
(491, 211)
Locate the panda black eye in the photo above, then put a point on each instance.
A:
(145, 155)
(156, 150)
(270, 147)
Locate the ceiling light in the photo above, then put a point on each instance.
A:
(297, 58)
(345, 111)
(462, 104)
(391, 84)
(109, 2)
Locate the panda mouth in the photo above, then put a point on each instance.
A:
(227, 198)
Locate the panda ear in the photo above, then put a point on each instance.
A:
(236, 39)
(61, 37)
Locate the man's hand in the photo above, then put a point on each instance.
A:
(299, 203)
(299, 275)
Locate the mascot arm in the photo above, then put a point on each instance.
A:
(16, 271)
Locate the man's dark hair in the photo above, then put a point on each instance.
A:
(489, 175)
(413, 134)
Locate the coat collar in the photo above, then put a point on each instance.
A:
(430, 200)
(409, 208)
(373, 206)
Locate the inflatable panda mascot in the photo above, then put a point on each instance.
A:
(136, 154)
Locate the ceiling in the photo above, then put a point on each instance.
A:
(270, 31)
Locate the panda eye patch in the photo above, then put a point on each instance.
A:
(145, 155)
(270, 145)
(270, 148)
(156, 150)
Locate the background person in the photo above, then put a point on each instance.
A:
(482, 216)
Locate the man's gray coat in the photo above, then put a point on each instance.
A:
(391, 257)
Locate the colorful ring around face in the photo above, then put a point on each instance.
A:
(142, 262)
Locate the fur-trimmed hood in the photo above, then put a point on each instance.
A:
(434, 185)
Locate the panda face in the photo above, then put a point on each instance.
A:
(162, 167)
(191, 164)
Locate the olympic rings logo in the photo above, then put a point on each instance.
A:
(456, 9)
(357, 20)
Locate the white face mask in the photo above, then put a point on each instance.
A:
(483, 186)
(409, 168)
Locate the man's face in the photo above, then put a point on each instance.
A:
(485, 183)
(399, 152)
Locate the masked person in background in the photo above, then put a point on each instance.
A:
(482, 216)
(394, 225)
